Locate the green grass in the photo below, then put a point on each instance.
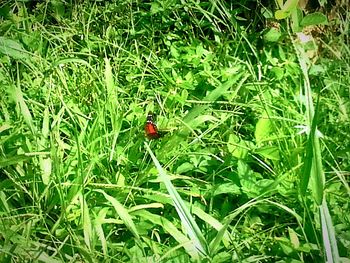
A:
(253, 164)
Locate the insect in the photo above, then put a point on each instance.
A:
(151, 129)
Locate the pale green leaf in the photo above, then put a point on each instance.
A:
(269, 152)
(328, 234)
(272, 35)
(46, 166)
(293, 238)
(87, 227)
(13, 48)
(263, 129)
(98, 222)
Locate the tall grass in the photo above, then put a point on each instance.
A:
(231, 179)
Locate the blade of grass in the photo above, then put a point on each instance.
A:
(7, 161)
(186, 218)
(328, 234)
(87, 227)
(171, 229)
(112, 98)
(122, 212)
(99, 220)
(313, 161)
(197, 211)
(315, 169)
(45, 162)
(24, 110)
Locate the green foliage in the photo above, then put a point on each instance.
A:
(231, 179)
(298, 21)
(314, 19)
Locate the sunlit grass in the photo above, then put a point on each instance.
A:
(240, 172)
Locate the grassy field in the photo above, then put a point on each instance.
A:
(251, 101)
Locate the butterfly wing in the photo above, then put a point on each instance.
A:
(151, 130)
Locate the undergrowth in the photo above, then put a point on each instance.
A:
(253, 160)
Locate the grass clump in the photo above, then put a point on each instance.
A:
(253, 160)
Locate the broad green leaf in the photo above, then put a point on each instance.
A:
(288, 7)
(313, 160)
(214, 245)
(296, 17)
(222, 257)
(4, 201)
(263, 129)
(45, 162)
(46, 166)
(185, 167)
(210, 220)
(280, 14)
(269, 152)
(111, 89)
(278, 72)
(155, 8)
(314, 19)
(4, 127)
(58, 8)
(213, 222)
(238, 148)
(272, 35)
(189, 121)
(226, 188)
(13, 48)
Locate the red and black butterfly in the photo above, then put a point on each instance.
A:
(151, 128)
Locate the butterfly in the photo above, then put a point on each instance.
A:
(151, 129)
